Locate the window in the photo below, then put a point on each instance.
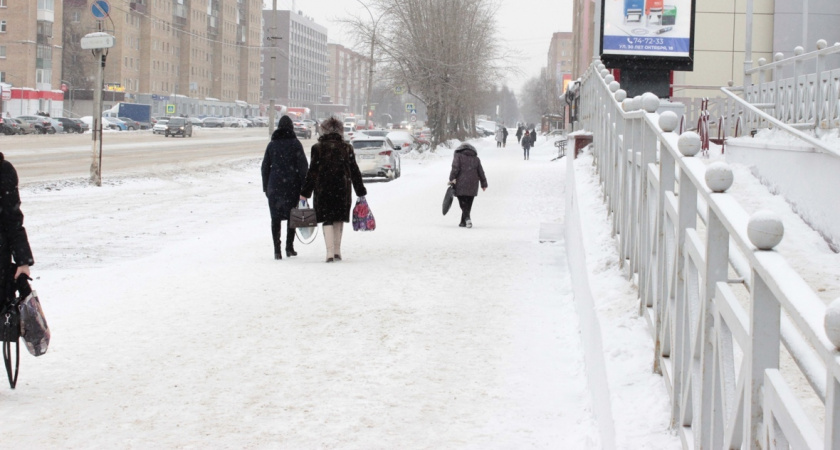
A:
(2, 26)
(76, 16)
(2, 51)
(46, 5)
(2, 3)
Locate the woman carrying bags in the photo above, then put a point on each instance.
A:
(332, 171)
(466, 175)
(283, 172)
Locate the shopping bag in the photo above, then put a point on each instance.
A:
(305, 234)
(447, 199)
(362, 216)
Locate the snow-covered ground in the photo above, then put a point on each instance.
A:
(173, 326)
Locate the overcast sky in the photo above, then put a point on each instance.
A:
(524, 27)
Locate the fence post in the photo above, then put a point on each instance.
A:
(765, 323)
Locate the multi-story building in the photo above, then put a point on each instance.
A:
(560, 55)
(347, 78)
(194, 49)
(30, 51)
(298, 47)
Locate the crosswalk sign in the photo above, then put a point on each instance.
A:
(170, 108)
(409, 107)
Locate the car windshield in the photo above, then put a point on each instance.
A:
(177, 122)
(367, 144)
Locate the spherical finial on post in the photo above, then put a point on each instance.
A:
(689, 143)
(627, 104)
(620, 95)
(821, 44)
(761, 62)
(609, 78)
(614, 86)
(798, 50)
(765, 230)
(650, 102)
(778, 56)
(601, 67)
(719, 176)
(668, 121)
(730, 83)
(832, 322)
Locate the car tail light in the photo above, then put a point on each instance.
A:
(385, 153)
(406, 144)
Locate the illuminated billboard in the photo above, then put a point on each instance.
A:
(656, 34)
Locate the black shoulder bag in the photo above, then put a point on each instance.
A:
(10, 326)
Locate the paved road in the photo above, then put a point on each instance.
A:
(40, 158)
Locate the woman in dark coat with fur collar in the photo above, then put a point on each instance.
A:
(332, 171)
(15, 253)
(466, 175)
(283, 171)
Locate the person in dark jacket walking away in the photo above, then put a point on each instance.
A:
(332, 171)
(504, 136)
(14, 243)
(466, 174)
(519, 133)
(283, 171)
(526, 145)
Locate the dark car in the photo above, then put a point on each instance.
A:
(130, 124)
(178, 126)
(72, 125)
(302, 131)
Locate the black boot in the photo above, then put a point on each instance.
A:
(275, 237)
(290, 240)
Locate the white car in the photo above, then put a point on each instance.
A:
(404, 140)
(160, 126)
(377, 157)
(349, 132)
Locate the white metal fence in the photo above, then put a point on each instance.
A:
(739, 336)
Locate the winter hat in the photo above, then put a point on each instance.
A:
(285, 129)
(332, 125)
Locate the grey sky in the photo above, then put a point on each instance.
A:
(524, 27)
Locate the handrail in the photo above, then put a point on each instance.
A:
(803, 57)
(819, 145)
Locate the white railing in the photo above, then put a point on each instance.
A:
(739, 337)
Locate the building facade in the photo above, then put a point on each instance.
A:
(347, 78)
(560, 57)
(296, 47)
(30, 54)
(199, 49)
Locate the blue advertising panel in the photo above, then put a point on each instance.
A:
(656, 33)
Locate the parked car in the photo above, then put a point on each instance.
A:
(195, 121)
(72, 125)
(377, 157)
(302, 131)
(349, 131)
(156, 118)
(373, 133)
(55, 126)
(112, 123)
(160, 126)
(212, 122)
(404, 140)
(17, 126)
(42, 124)
(130, 124)
(178, 126)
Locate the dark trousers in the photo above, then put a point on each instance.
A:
(465, 202)
(527, 151)
(275, 235)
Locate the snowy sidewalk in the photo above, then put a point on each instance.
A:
(174, 327)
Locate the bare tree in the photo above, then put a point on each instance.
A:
(443, 52)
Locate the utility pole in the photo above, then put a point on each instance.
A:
(272, 112)
(368, 110)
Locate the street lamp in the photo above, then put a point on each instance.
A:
(375, 22)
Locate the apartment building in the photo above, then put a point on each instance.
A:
(297, 46)
(560, 56)
(30, 53)
(199, 49)
(347, 78)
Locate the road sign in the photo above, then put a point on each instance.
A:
(100, 9)
(170, 108)
(399, 90)
(413, 118)
(409, 107)
(98, 40)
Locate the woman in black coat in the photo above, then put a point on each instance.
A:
(332, 171)
(466, 174)
(283, 171)
(14, 244)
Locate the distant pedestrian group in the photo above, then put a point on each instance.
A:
(501, 136)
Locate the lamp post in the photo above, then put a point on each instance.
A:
(374, 22)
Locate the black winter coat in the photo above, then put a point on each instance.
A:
(467, 171)
(14, 244)
(332, 170)
(284, 169)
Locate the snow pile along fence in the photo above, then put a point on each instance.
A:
(740, 338)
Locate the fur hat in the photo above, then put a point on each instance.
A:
(332, 125)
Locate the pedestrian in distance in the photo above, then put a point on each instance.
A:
(519, 133)
(526, 145)
(15, 251)
(504, 136)
(466, 175)
(284, 169)
(500, 136)
(333, 176)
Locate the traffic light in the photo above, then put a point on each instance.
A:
(370, 113)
